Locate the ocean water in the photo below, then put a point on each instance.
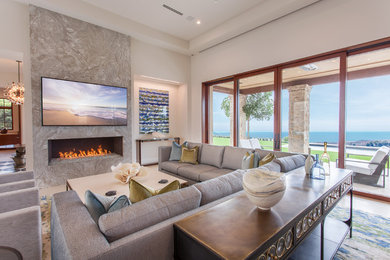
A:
(330, 137)
(101, 112)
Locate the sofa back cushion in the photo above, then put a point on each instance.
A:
(277, 154)
(143, 214)
(222, 186)
(290, 163)
(232, 157)
(212, 155)
(272, 166)
(379, 155)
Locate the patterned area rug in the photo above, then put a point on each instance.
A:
(370, 240)
(370, 236)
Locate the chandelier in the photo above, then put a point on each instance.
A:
(15, 92)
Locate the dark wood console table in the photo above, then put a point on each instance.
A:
(139, 142)
(295, 228)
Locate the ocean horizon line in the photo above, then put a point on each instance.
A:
(324, 136)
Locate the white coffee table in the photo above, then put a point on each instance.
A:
(102, 183)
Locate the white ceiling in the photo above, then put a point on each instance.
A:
(149, 21)
(211, 13)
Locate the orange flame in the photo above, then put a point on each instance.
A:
(81, 153)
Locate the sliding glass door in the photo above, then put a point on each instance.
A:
(256, 111)
(310, 107)
(221, 113)
(368, 119)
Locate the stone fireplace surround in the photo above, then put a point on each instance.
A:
(66, 48)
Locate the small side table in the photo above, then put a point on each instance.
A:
(139, 142)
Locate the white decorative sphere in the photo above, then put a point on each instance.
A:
(264, 188)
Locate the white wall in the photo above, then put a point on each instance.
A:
(322, 27)
(151, 61)
(14, 44)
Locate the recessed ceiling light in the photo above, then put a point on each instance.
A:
(198, 22)
(309, 67)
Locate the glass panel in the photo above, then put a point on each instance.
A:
(368, 124)
(7, 103)
(221, 116)
(310, 108)
(256, 111)
(2, 102)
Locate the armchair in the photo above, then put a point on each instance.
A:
(369, 172)
(20, 224)
(16, 176)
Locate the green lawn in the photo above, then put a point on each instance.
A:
(268, 145)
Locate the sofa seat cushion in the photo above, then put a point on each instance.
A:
(193, 172)
(363, 168)
(204, 176)
(290, 163)
(232, 157)
(173, 166)
(219, 187)
(146, 213)
(212, 155)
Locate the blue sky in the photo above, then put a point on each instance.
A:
(368, 108)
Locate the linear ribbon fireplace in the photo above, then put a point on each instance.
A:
(68, 149)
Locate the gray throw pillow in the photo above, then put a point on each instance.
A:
(176, 151)
(98, 205)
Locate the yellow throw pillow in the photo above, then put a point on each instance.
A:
(189, 155)
(175, 185)
(139, 192)
(247, 161)
(267, 159)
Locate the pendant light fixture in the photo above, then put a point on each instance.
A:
(15, 92)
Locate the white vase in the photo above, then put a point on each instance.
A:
(308, 163)
(264, 188)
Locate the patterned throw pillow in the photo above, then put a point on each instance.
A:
(267, 159)
(189, 155)
(247, 161)
(176, 151)
(139, 192)
(98, 205)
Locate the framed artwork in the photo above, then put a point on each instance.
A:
(73, 103)
(153, 111)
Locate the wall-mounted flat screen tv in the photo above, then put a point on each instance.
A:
(71, 103)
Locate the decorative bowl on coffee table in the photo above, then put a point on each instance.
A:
(264, 188)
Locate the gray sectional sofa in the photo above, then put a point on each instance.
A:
(143, 230)
(213, 161)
